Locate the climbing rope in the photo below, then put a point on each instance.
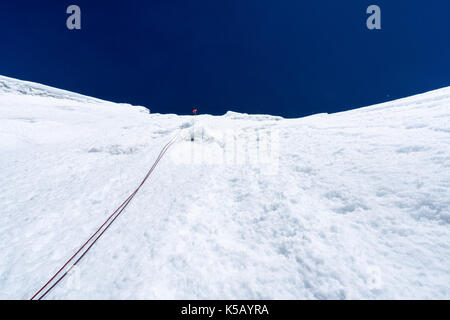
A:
(58, 276)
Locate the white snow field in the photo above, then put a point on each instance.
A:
(358, 206)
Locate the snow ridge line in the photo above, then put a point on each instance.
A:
(104, 226)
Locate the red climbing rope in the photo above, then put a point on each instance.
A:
(54, 280)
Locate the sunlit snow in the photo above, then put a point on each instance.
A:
(357, 206)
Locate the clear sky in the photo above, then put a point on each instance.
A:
(289, 58)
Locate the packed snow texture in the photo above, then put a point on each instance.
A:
(359, 207)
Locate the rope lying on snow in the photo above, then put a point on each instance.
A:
(54, 280)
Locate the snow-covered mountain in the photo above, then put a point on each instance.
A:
(354, 205)
(10, 85)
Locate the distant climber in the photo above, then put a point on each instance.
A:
(194, 111)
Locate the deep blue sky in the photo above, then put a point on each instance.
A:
(290, 58)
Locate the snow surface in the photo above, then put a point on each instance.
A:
(358, 208)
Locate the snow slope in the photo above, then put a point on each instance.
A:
(357, 208)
